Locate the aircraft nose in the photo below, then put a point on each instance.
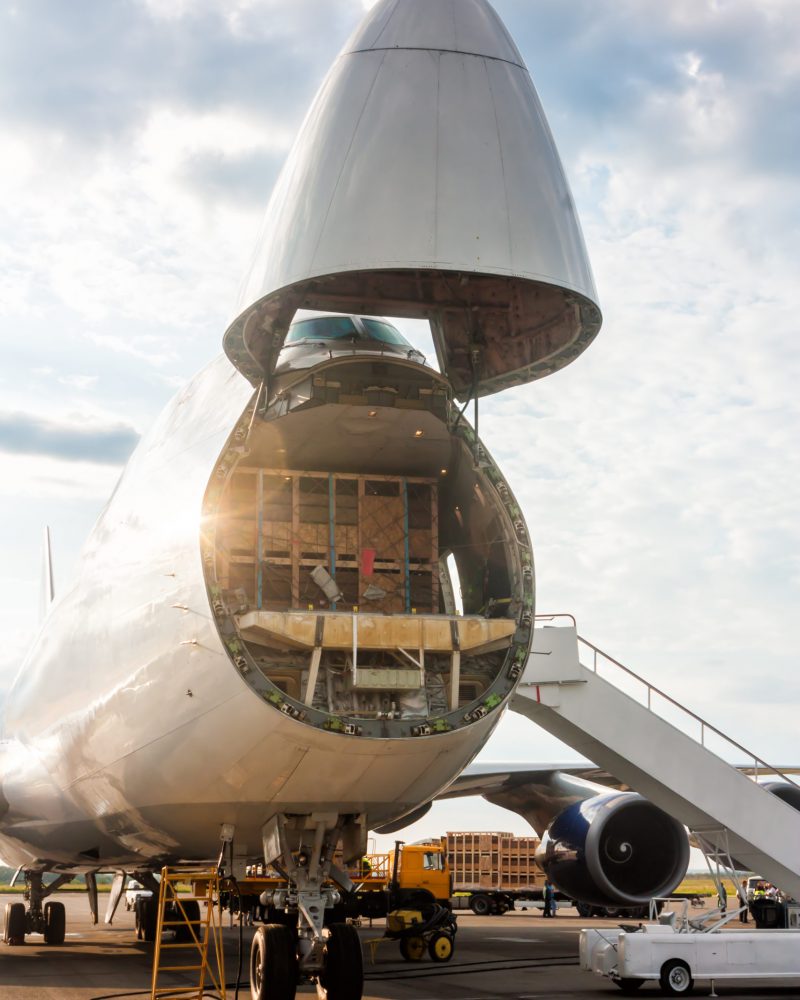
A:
(425, 183)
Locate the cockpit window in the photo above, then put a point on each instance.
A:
(377, 330)
(343, 328)
(322, 328)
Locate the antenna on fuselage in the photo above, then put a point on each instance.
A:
(47, 591)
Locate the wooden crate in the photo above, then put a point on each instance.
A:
(367, 531)
(492, 860)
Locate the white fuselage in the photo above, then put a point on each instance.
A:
(130, 736)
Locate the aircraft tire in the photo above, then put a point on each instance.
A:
(343, 977)
(146, 913)
(15, 924)
(273, 963)
(55, 923)
(183, 933)
(676, 978)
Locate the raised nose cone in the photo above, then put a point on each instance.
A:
(465, 26)
(425, 183)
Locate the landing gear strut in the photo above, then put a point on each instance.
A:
(38, 917)
(301, 849)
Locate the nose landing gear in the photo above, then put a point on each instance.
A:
(300, 849)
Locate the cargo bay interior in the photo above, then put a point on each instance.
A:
(345, 534)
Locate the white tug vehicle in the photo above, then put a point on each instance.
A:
(677, 950)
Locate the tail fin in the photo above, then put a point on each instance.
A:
(47, 593)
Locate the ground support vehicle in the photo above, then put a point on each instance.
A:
(494, 902)
(676, 952)
(133, 892)
(432, 929)
(775, 914)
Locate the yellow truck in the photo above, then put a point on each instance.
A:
(411, 872)
(411, 887)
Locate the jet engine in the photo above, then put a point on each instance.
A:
(790, 794)
(616, 849)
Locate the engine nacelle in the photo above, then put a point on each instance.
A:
(790, 794)
(616, 849)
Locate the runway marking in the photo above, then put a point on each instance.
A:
(518, 940)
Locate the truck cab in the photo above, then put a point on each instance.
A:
(424, 866)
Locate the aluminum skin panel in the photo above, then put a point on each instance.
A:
(129, 734)
(425, 182)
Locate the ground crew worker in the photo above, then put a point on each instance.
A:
(743, 903)
(549, 899)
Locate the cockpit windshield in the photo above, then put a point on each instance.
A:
(345, 328)
(378, 330)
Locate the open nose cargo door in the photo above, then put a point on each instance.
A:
(425, 183)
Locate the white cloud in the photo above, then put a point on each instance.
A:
(80, 382)
(32, 476)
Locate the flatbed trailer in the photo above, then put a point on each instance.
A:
(494, 902)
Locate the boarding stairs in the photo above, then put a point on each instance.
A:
(661, 749)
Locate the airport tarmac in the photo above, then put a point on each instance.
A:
(518, 956)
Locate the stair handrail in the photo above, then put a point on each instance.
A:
(759, 765)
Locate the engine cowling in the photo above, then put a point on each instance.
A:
(616, 849)
(790, 794)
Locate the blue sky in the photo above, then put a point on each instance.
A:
(659, 473)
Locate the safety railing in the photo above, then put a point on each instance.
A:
(697, 728)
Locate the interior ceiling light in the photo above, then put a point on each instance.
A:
(443, 471)
(418, 432)
(372, 413)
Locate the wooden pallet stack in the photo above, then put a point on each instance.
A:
(492, 860)
(377, 536)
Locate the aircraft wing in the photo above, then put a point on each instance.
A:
(539, 792)
(480, 779)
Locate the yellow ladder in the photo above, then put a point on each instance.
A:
(204, 935)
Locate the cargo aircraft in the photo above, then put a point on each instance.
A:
(262, 643)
